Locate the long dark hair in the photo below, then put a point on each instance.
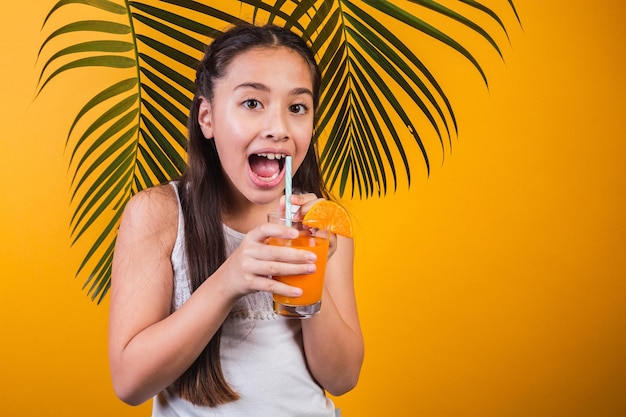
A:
(203, 192)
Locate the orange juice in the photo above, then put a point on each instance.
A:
(311, 284)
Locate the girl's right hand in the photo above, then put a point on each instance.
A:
(249, 268)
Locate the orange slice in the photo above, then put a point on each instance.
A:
(333, 215)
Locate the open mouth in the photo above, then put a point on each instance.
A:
(267, 166)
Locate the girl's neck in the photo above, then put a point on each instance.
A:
(243, 215)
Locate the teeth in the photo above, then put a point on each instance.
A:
(272, 155)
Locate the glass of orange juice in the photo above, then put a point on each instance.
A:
(313, 237)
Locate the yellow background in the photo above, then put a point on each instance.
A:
(496, 287)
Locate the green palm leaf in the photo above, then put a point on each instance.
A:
(133, 132)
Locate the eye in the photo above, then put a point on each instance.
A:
(298, 108)
(252, 104)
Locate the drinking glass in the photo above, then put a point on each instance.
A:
(313, 237)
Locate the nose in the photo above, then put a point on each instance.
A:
(276, 125)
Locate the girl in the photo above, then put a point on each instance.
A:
(191, 320)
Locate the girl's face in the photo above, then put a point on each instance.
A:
(262, 111)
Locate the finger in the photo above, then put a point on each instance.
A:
(279, 269)
(280, 288)
(302, 199)
(281, 205)
(284, 254)
(267, 284)
(266, 230)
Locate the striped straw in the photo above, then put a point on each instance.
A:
(288, 213)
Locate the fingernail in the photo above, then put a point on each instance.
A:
(311, 268)
(311, 257)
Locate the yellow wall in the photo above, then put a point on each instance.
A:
(495, 288)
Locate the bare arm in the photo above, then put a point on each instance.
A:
(333, 341)
(150, 347)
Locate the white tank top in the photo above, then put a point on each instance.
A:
(262, 355)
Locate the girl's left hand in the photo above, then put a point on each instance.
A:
(304, 202)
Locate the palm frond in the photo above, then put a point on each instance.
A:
(132, 133)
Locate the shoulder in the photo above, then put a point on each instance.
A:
(155, 201)
(152, 211)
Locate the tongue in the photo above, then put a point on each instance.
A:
(264, 167)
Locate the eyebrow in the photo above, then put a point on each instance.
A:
(262, 87)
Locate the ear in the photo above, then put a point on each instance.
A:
(205, 118)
